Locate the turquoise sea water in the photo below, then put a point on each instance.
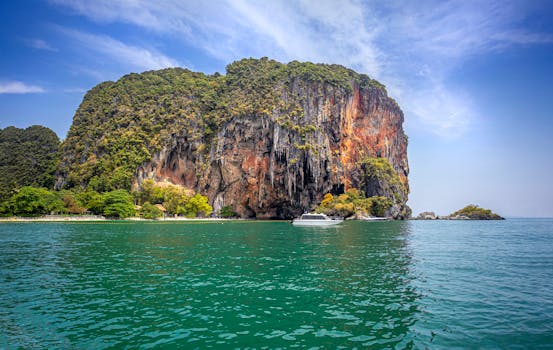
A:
(417, 284)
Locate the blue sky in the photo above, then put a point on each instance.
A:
(474, 78)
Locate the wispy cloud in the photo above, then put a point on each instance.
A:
(17, 87)
(147, 14)
(75, 90)
(40, 44)
(447, 113)
(412, 47)
(135, 56)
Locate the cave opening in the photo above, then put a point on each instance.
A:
(337, 189)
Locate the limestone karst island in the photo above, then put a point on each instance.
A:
(163, 185)
(266, 140)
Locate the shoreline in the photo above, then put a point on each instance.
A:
(98, 218)
(102, 219)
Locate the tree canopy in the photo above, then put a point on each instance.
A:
(176, 199)
(474, 212)
(30, 201)
(354, 202)
(118, 204)
(28, 157)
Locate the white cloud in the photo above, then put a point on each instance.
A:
(17, 87)
(523, 38)
(138, 57)
(447, 113)
(412, 47)
(161, 16)
(40, 44)
(75, 90)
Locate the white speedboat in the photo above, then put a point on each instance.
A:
(315, 220)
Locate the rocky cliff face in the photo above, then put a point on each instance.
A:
(283, 137)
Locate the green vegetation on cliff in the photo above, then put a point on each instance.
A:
(474, 212)
(176, 200)
(120, 125)
(354, 202)
(378, 178)
(381, 194)
(28, 157)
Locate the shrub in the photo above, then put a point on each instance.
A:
(227, 212)
(35, 201)
(196, 206)
(118, 204)
(91, 200)
(150, 211)
(352, 202)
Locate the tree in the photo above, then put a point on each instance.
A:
(71, 203)
(54, 204)
(474, 212)
(150, 211)
(91, 200)
(28, 157)
(118, 204)
(35, 201)
(378, 178)
(197, 206)
(354, 202)
(327, 199)
(344, 209)
(150, 192)
(227, 212)
(380, 205)
(175, 199)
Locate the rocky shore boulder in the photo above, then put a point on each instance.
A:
(470, 212)
(427, 215)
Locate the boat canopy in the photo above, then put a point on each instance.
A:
(314, 217)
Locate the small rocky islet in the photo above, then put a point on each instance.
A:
(470, 212)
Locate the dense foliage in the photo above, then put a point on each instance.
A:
(33, 201)
(175, 199)
(354, 202)
(227, 212)
(150, 211)
(474, 212)
(118, 204)
(154, 199)
(30, 201)
(28, 157)
(120, 125)
(378, 178)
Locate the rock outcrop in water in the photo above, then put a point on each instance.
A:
(268, 139)
(474, 212)
(470, 212)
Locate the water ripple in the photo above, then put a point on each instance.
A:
(270, 285)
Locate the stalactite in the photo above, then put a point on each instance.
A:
(296, 170)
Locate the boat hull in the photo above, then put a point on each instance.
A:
(316, 222)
